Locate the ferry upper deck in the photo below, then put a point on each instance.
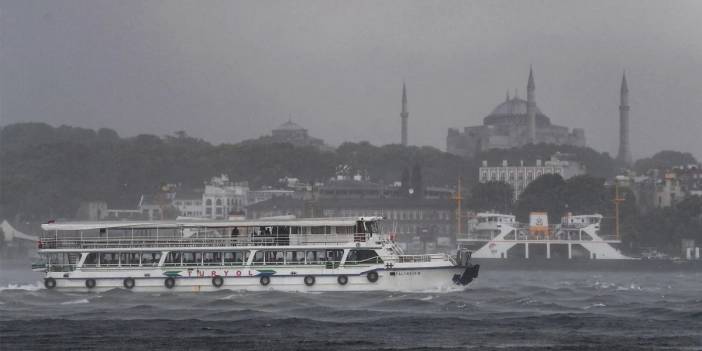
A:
(196, 233)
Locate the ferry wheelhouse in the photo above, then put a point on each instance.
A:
(323, 254)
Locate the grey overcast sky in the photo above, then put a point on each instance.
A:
(232, 70)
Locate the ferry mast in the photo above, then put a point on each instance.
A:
(458, 198)
(617, 200)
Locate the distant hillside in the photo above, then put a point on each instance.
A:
(47, 171)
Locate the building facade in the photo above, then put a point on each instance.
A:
(519, 176)
(223, 197)
(513, 123)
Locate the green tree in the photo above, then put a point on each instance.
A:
(491, 196)
(585, 194)
(544, 194)
(666, 159)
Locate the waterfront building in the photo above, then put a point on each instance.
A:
(223, 197)
(189, 203)
(519, 176)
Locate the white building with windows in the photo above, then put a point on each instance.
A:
(189, 204)
(223, 197)
(519, 176)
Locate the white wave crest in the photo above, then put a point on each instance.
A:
(75, 302)
(595, 305)
(29, 287)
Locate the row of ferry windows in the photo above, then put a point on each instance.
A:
(229, 258)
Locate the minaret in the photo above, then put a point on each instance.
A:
(403, 115)
(624, 155)
(531, 109)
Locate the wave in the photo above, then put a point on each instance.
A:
(75, 302)
(28, 287)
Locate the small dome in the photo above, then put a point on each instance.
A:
(514, 106)
(290, 125)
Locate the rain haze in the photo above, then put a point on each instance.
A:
(229, 71)
(351, 175)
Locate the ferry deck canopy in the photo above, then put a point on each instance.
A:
(306, 222)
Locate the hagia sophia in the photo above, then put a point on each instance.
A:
(513, 123)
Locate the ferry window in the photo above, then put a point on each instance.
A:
(172, 259)
(295, 257)
(363, 256)
(108, 259)
(295, 230)
(274, 257)
(335, 255)
(73, 257)
(192, 258)
(234, 258)
(342, 230)
(150, 258)
(212, 258)
(258, 257)
(129, 259)
(318, 230)
(281, 230)
(371, 227)
(359, 227)
(91, 260)
(316, 257)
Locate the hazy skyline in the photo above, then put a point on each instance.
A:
(229, 71)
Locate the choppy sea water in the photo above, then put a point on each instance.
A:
(501, 310)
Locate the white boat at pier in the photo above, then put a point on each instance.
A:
(500, 236)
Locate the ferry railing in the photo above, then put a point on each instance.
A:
(525, 235)
(63, 242)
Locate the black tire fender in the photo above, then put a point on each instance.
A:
(90, 283)
(309, 280)
(169, 282)
(217, 281)
(49, 283)
(128, 283)
(372, 276)
(265, 280)
(342, 280)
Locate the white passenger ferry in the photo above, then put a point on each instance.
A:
(500, 236)
(322, 254)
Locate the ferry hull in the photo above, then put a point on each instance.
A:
(405, 280)
(496, 264)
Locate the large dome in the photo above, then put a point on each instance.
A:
(514, 111)
(514, 106)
